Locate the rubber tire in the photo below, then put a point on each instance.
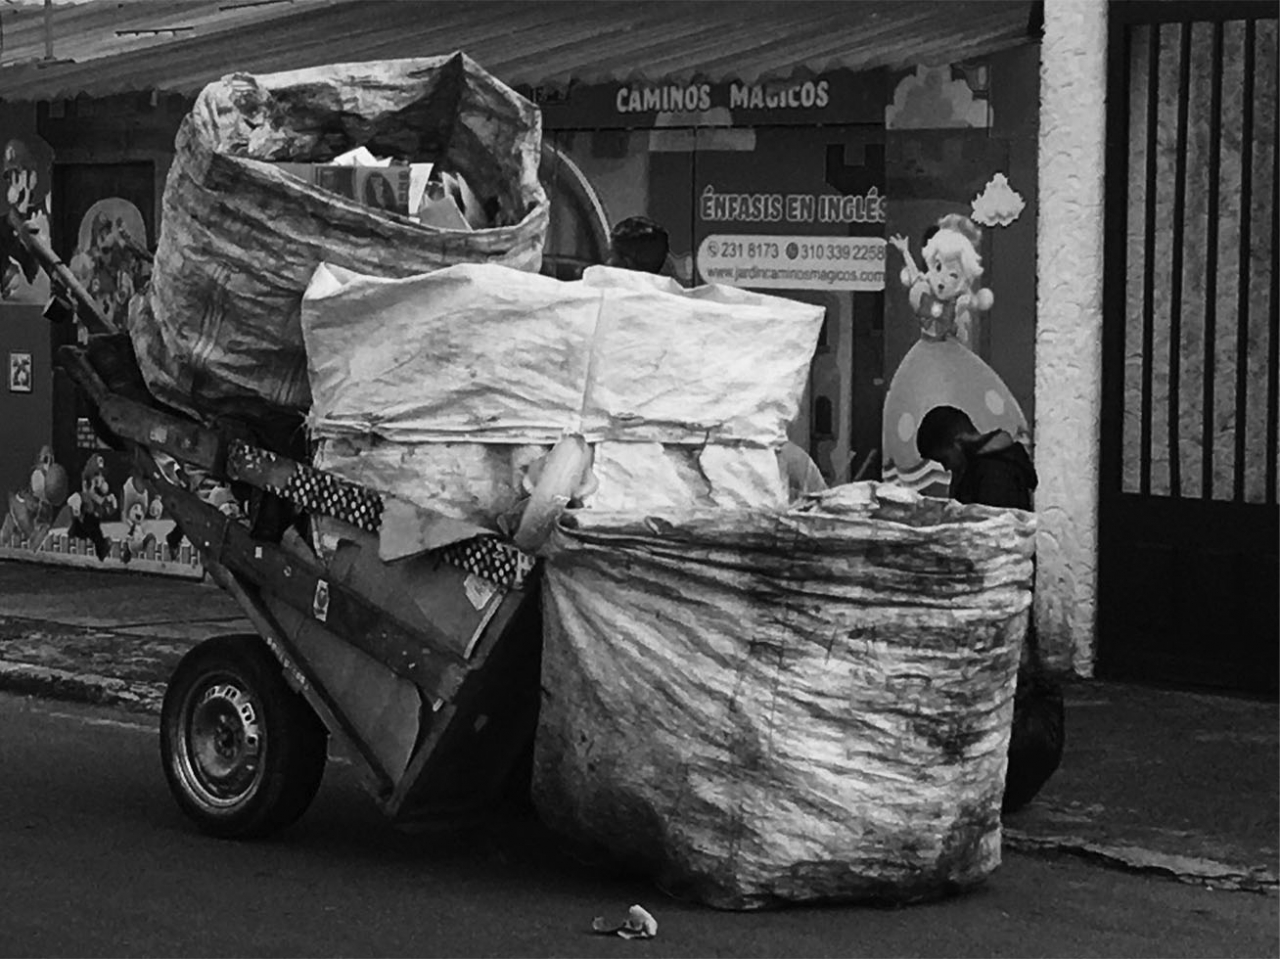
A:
(296, 742)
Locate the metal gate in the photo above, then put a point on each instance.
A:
(1189, 588)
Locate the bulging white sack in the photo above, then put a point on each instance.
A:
(684, 394)
(481, 352)
(769, 707)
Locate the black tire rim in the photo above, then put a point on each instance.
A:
(221, 742)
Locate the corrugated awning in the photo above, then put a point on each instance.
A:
(545, 42)
(82, 30)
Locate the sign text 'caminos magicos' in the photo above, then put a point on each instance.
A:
(700, 97)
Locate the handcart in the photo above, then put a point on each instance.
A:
(426, 670)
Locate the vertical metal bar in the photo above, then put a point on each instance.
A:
(1273, 340)
(1176, 254)
(1211, 264)
(1149, 247)
(1246, 225)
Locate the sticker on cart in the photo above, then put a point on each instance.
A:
(479, 590)
(320, 605)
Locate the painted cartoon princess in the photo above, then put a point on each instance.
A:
(940, 369)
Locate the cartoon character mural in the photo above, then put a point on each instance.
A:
(31, 510)
(93, 504)
(26, 193)
(111, 257)
(940, 370)
(138, 504)
(42, 517)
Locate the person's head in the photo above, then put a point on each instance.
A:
(942, 434)
(638, 243)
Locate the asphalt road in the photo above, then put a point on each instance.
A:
(95, 860)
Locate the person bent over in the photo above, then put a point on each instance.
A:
(992, 469)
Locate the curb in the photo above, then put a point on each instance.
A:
(31, 680)
(1186, 869)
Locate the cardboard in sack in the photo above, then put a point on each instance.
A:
(219, 329)
(763, 707)
(379, 188)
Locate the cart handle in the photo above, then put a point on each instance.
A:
(67, 290)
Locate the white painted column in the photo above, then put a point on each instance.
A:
(1069, 327)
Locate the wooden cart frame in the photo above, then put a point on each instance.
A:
(464, 684)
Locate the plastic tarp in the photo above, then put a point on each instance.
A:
(219, 329)
(417, 382)
(765, 707)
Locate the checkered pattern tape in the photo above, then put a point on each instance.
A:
(254, 458)
(498, 562)
(316, 490)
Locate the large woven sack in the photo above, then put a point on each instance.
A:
(435, 387)
(219, 330)
(762, 708)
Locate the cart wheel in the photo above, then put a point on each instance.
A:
(243, 753)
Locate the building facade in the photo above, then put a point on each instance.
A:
(791, 177)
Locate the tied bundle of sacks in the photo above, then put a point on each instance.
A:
(757, 701)
(449, 389)
(243, 229)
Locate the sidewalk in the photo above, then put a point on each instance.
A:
(1179, 784)
(103, 637)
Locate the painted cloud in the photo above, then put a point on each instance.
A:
(929, 99)
(998, 203)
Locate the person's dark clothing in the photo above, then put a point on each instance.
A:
(997, 472)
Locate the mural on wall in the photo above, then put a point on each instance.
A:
(999, 204)
(27, 503)
(94, 524)
(935, 98)
(956, 199)
(31, 511)
(83, 504)
(26, 162)
(112, 258)
(940, 370)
